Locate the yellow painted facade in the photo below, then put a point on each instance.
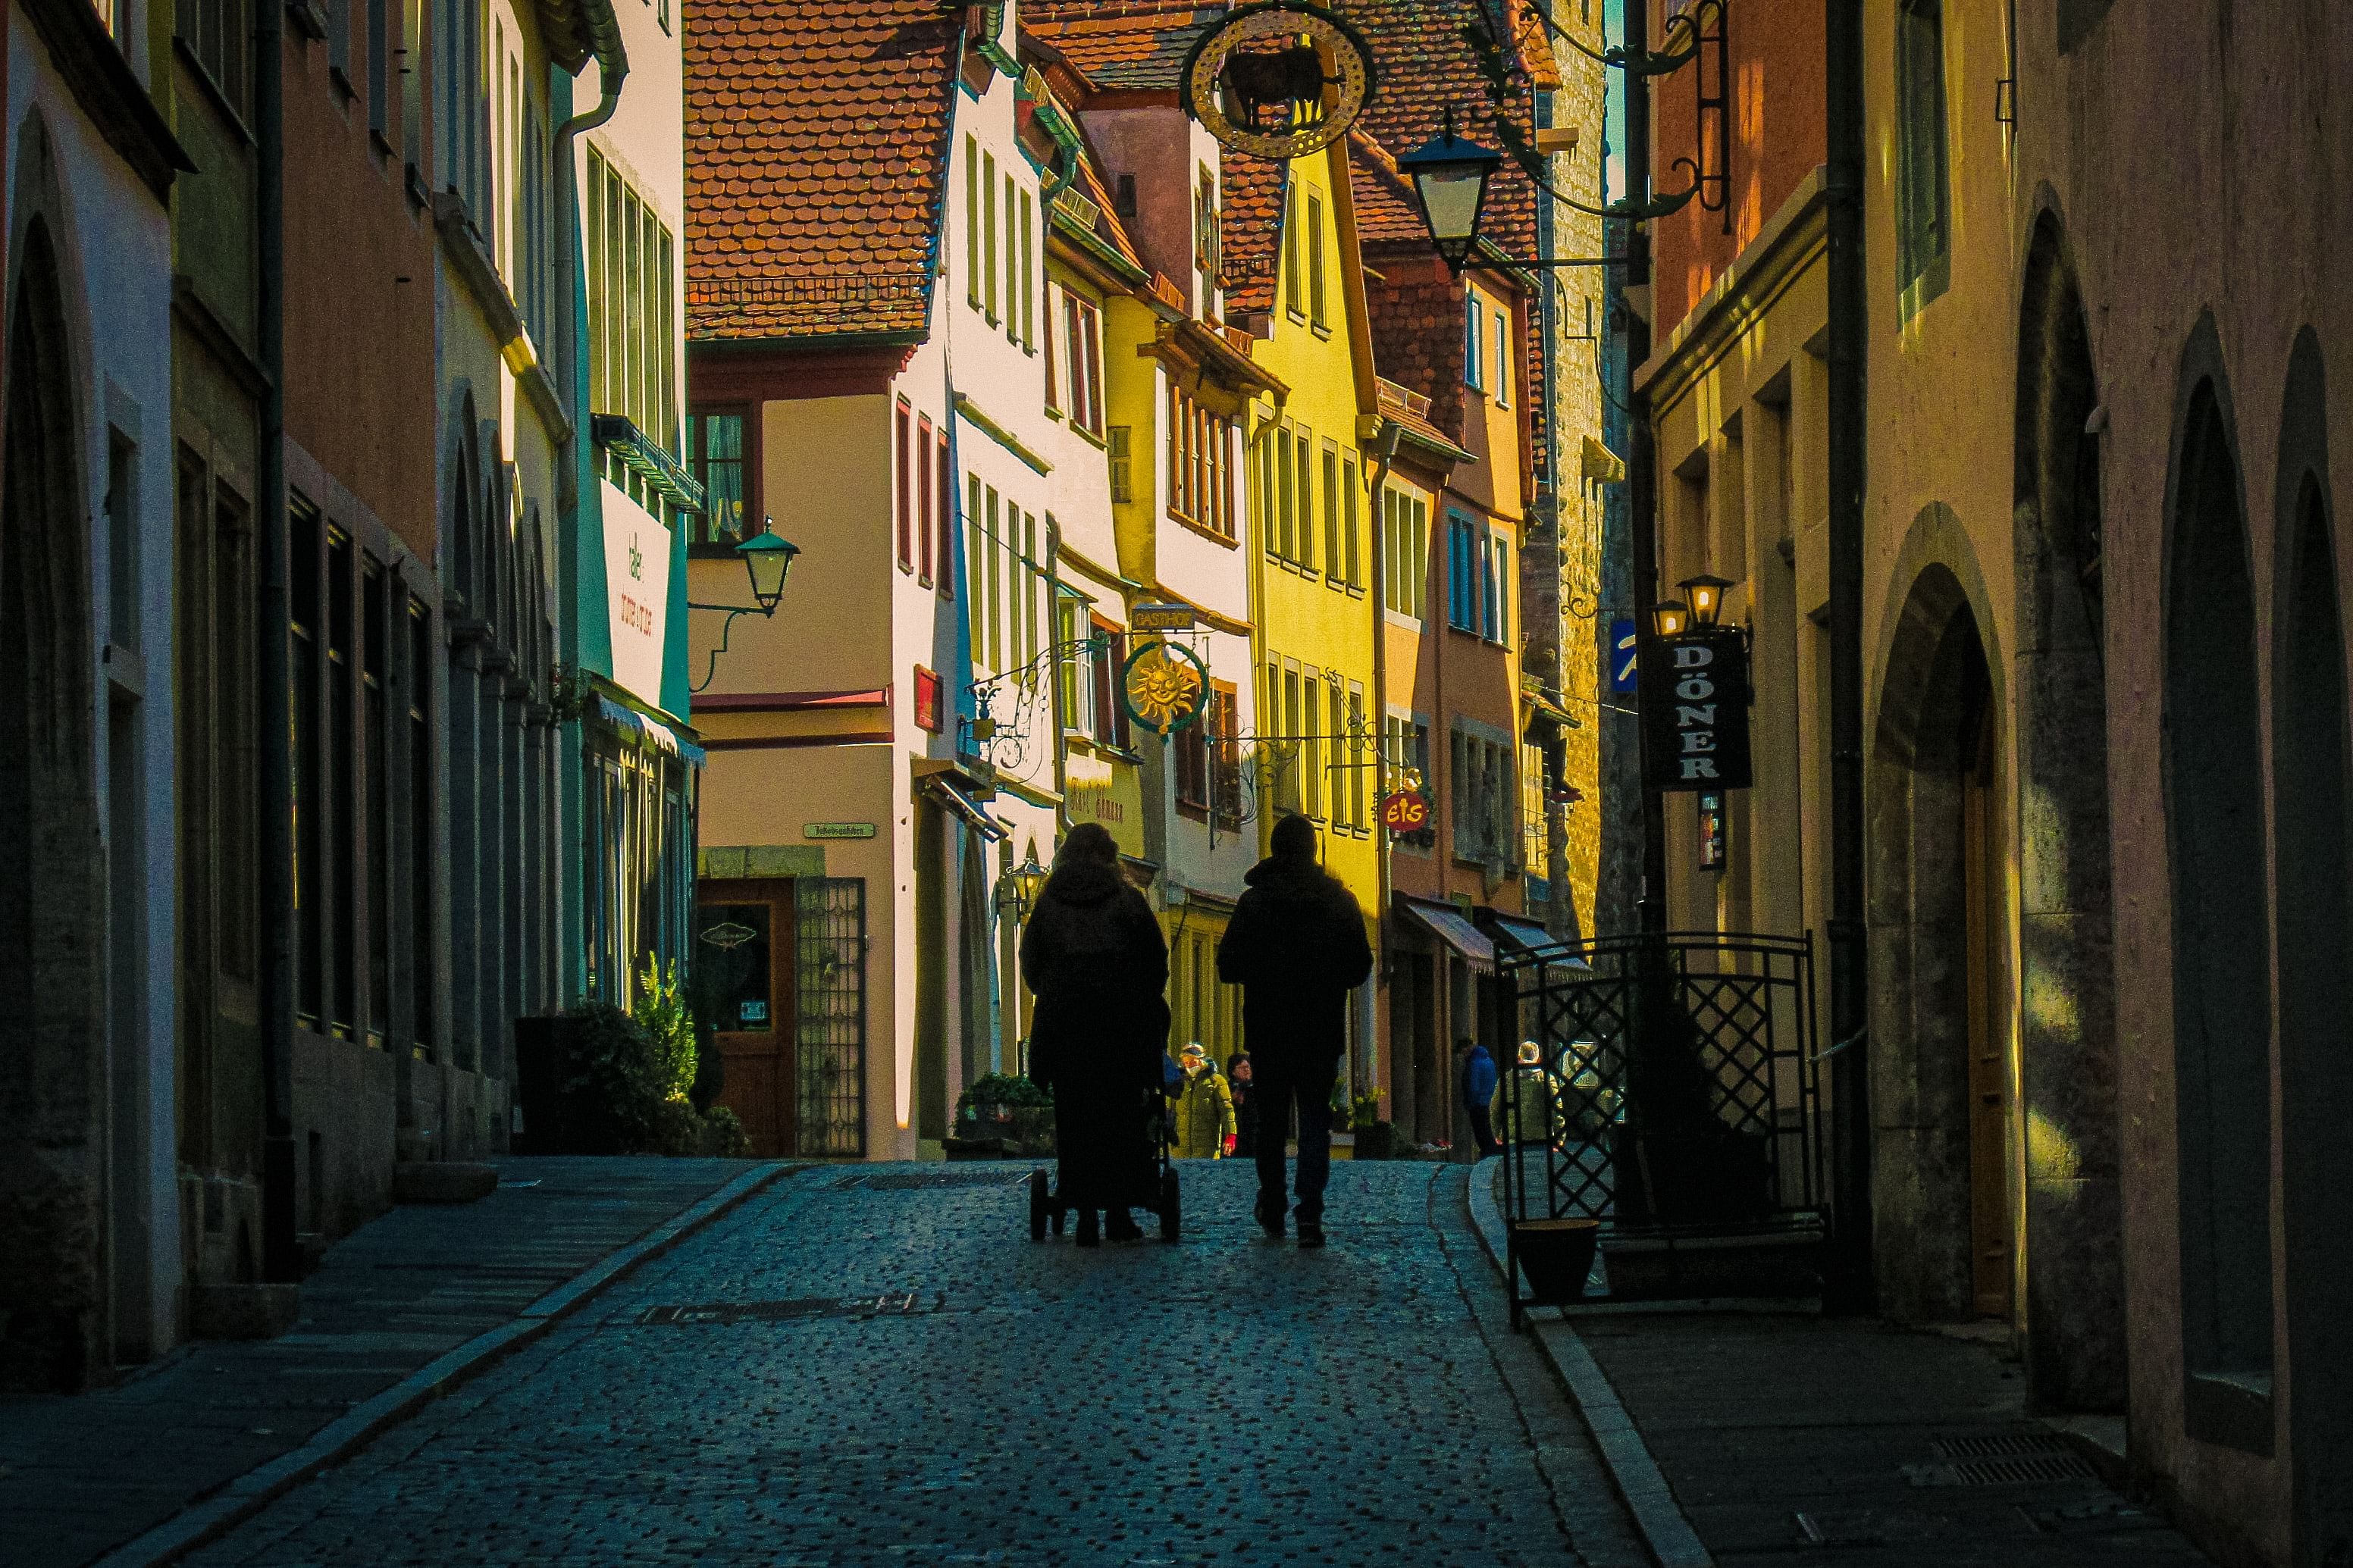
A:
(1312, 562)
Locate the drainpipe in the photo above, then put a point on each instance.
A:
(1848, 1284)
(612, 70)
(280, 1258)
(1381, 597)
(1642, 456)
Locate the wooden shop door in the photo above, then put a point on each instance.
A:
(744, 939)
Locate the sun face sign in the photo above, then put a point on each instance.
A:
(1279, 80)
(1164, 687)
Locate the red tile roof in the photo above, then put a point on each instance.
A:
(1250, 229)
(1123, 44)
(815, 147)
(1427, 64)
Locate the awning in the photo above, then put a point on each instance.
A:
(653, 733)
(1452, 927)
(1528, 936)
(952, 795)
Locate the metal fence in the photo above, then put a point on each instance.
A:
(830, 939)
(1662, 1082)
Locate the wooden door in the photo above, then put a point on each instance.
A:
(1989, 1206)
(744, 936)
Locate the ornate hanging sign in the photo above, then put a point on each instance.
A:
(1281, 80)
(1164, 687)
(1407, 811)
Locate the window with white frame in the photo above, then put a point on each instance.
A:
(1503, 373)
(1200, 476)
(632, 334)
(1478, 579)
(1083, 366)
(1405, 547)
(1475, 337)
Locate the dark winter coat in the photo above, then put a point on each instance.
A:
(1296, 945)
(1094, 955)
(1478, 1078)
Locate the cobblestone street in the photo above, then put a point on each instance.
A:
(888, 1371)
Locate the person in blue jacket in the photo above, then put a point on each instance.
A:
(1479, 1092)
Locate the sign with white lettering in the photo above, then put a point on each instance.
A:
(637, 594)
(1695, 699)
(837, 830)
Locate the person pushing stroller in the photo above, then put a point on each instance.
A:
(1094, 958)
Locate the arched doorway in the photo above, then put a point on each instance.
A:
(2221, 955)
(52, 937)
(1941, 1093)
(2312, 861)
(2074, 1317)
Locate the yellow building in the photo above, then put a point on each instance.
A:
(1295, 282)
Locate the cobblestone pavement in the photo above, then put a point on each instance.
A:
(1805, 1442)
(80, 1475)
(888, 1372)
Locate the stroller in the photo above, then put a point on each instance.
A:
(1157, 1189)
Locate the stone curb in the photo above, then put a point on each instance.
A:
(249, 1493)
(1665, 1531)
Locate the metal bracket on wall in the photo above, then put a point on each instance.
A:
(1703, 30)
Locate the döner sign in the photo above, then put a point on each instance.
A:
(1695, 698)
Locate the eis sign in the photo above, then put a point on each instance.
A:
(1695, 699)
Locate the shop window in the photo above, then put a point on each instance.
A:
(423, 861)
(307, 637)
(377, 716)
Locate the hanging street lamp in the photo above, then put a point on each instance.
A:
(1450, 178)
(1018, 888)
(767, 558)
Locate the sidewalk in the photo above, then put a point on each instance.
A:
(81, 1475)
(1807, 1442)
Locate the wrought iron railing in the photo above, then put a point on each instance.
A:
(1674, 1086)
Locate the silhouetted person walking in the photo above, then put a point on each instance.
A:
(1094, 956)
(1296, 946)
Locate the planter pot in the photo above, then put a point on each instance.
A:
(1556, 1256)
(1378, 1142)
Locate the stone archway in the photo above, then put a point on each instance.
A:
(1941, 1206)
(52, 942)
(2073, 1320)
(2312, 852)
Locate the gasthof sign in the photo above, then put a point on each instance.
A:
(1695, 699)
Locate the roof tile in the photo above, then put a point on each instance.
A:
(799, 220)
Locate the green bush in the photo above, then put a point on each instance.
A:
(661, 1011)
(1008, 1089)
(625, 1085)
(723, 1135)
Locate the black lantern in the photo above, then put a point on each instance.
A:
(1706, 597)
(1450, 178)
(767, 556)
(1670, 616)
(1018, 888)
